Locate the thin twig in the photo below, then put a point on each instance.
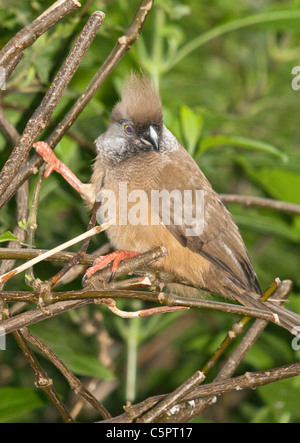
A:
(32, 223)
(236, 330)
(234, 360)
(269, 203)
(75, 260)
(172, 399)
(111, 304)
(236, 357)
(42, 114)
(8, 129)
(93, 296)
(121, 47)
(250, 380)
(42, 380)
(36, 315)
(73, 241)
(73, 381)
(12, 64)
(28, 254)
(13, 136)
(28, 35)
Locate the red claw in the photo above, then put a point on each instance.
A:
(103, 260)
(44, 150)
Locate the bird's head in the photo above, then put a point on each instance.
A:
(136, 123)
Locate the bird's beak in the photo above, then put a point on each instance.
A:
(151, 136)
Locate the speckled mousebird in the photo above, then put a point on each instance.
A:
(137, 149)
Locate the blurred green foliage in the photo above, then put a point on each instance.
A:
(223, 70)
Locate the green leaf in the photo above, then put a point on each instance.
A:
(265, 352)
(233, 25)
(8, 236)
(15, 402)
(176, 12)
(179, 11)
(86, 365)
(22, 223)
(172, 122)
(280, 184)
(73, 351)
(258, 358)
(192, 124)
(266, 224)
(243, 142)
(282, 398)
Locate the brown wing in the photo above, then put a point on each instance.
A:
(218, 239)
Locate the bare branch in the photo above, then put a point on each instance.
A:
(42, 380)
(250, 380)
(8, 129)
(73, 381)
(75, 260)
(235, 358)
(269, 203)
(42, 114)
(13, 136)
(23, 267)
(36, 315)
(12, 64)
(28, 254)
(93, 296)
(32, 224)
(121, 47)
(237, 328)
(29, 34)
(172, 399)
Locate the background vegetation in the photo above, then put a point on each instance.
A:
(230, 101)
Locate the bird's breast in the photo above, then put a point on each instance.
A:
(137, 228)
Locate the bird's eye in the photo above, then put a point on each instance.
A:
(128, 129)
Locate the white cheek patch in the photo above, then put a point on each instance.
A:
(168, 141)
(98, 142)
(111, 145)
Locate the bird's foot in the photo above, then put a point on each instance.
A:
(54, 164)
(116, 257)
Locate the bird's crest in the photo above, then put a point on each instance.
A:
(140, 102)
